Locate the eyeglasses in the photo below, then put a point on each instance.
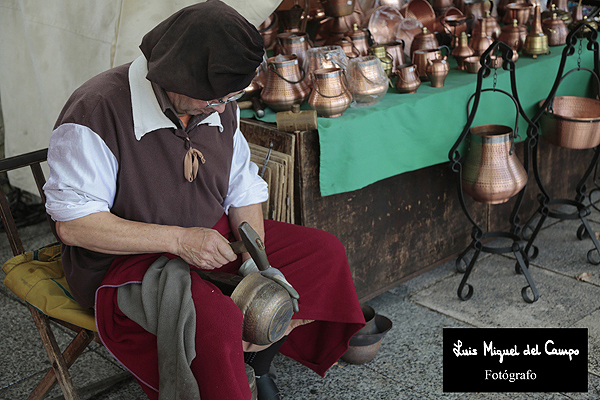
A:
(231, 98)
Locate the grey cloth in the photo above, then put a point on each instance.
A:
(162, 304)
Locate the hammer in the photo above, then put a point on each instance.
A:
(255, 104)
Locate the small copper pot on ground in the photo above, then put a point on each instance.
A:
(407, 78)
(330, 96)
(285, 83)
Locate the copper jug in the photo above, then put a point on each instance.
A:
(462, 51)
(424, 40)
(296, 43)
(268, 30)
(407, 80)
(367, 80)
(556, 30)
(285, 84)
(513, 35)
(492, 26)
(536, 41)
(386, 59)
(437, 70)
(420, 58)
(330, 96)
(492, 173)
(480, 42)
(348, 46)
(326, 57)
(396, 51)
(360, 39)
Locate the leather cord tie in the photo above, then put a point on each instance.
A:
(190, 163)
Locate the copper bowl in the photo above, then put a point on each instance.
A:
(364, 348)
(423, 11)
(473, 64)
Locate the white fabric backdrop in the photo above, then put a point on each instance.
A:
(50, 47)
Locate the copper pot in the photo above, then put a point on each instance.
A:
(440, 6)
(420, 58)
(396, 51)
(556, 30)
(492, 173)
(367, 80)
(424, 41)
(285, 84)
(348, 47)
(437, 70)
(326, 57)
(519, 11)
(338, 8)
(267, 309)
(360, 39)
(407, 78)
(492, 26)
(296, 43)
(330, 96)
(513, 35)
(477, 8)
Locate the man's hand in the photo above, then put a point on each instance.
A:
(204, 248)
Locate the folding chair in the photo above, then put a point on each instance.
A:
(37, 278)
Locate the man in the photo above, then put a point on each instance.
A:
(150, 176)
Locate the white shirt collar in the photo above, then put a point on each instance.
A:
(147, 113)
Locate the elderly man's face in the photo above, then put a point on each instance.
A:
(187, 105)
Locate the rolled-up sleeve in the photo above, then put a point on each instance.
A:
(83, 174)
(246, 187)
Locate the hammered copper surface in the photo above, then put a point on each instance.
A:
(573, 122)
(367, 80)
(266, 306)
(407, 80)
(330, 96)
(492, 173)
(285, 83)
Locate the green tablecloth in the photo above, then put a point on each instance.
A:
(406, 132)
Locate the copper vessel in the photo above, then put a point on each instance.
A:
(462, 51)
(396, 51)
(285, 83)
(556, 30)
(330, 96)
(296, 43)
(519, 11)
(480, 42)
(437, 70)
(513, 35)
(536, 41)
(472, 64)
(348, 47)
(477, 8)
(492, 26)
(326, 57)
(407, 80)
(420, 58)
(360, 39)
(492, 173)
(268, 30)
(338, 8)
(572, 122)
(424, 41)
(367, 80)
(441, 6)
(560, 14)
(386, 59)
(421, 10)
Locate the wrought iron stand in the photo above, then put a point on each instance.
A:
(548, 206)
(456, 160)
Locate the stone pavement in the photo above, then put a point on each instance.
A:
(409, 363)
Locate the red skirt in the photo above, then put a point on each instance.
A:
(313, 261)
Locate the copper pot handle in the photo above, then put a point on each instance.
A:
(516, 130)
(316, 82)
(272, 68)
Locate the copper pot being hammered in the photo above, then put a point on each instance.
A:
(330, 96)
(285, 84)
(492, 173)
